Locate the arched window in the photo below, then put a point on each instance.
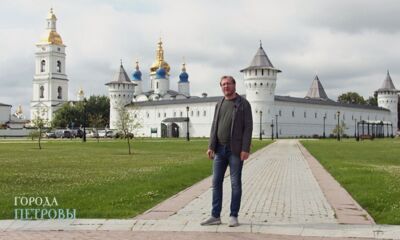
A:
(59, 91)
(42, 66)
(41, 92)
(59, 66)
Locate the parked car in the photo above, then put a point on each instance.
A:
(51, 135)
(110, 134)
(76, 133)
(102, 133)
(91, 134)
(63, 134)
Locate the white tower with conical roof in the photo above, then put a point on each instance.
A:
(120, 91)
(50, 82)
(260, 82)
(388, 98)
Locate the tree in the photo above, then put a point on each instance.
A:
(96, 121)
(373, 100)
(39, 122)
(69, 115)
(340, 129)
(351, 98)
(72, 114)
(127, 123)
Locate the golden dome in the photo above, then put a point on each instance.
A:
(52, 37)
(159, 61)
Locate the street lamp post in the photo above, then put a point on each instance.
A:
(276, 126)
(355, 127)
(323, 134)
(187, 124)
(84, 119)
(338, 125)
(260, 125)
(272, 130)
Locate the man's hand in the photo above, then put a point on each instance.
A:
(210, 154)
(244, 156)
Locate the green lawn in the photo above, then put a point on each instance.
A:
(100, 180)
(369, 170)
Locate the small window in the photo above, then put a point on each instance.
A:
(262, 72)
(58, 49)
(42, 66)
(59, 91)
(293, 113)
(157, 85)
(334, 116)
(305, 114)
(315, 115)
(198, 113)
(191, 113)
(59, 66)
(280, 113)
(181, 113)
(41, 92)
(147, 115)
(174, 114)
(204, 113)
(165, 114)
(159, 115)
(256, 72)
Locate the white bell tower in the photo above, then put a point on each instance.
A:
(260, 82)
(50, 82)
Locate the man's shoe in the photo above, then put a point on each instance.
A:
(233, 222)
(211, 221)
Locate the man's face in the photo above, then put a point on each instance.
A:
(228, 87)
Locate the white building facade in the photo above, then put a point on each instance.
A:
(50, 82)
(168, 113)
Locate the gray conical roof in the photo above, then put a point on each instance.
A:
(121, 77)
(387, 84)
(316, 90)
(260, 60)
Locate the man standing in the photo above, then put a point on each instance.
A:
(229, 144)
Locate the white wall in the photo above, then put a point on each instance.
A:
(288, 126)
(5, 113)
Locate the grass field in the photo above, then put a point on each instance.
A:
(100, 180)
(369, 170)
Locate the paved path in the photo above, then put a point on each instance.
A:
(285, 192)
(278, 187)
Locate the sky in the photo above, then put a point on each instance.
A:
(349, 44)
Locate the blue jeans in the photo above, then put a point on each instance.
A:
(223, 158)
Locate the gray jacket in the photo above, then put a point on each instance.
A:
(241, 127)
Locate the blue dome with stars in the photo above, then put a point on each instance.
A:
(161, 73)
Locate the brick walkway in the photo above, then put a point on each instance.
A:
(285, 192)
